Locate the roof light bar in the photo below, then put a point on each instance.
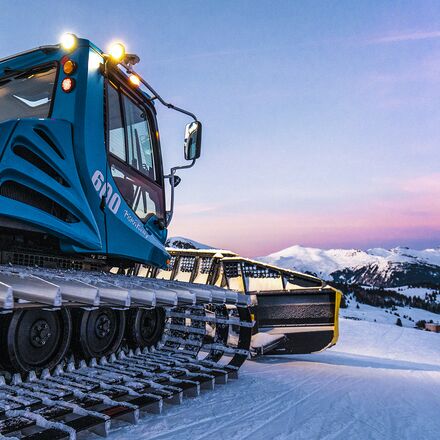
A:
(117, 52)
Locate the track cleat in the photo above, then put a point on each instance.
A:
(59, 370)
(16, 379)
(45, 374)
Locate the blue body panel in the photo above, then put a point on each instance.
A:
(72, 143)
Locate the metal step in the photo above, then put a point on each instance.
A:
(55, 287)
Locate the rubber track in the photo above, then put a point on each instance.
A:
(77, 396)
(82, 396)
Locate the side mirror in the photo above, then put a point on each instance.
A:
(193, 140)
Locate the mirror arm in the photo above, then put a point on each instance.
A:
(169, 214)
(170, 177)
(156, 95)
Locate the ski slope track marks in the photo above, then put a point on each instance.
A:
(380, 381)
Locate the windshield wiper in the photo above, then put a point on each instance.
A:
(21, 73)
(28, 72)
(9, 74)
(4, 81)
(9, 71)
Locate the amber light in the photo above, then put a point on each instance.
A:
(69, 67)
(134, 79)
(68, 84)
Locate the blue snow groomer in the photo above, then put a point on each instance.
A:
(80, 159)
(82, 208)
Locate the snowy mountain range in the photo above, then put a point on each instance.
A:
(378, 267)
(400, 266)
(185, 243)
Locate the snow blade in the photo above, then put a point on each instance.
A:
(296, 312)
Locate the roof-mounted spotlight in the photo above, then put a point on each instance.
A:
(117, 52)
(69, 41)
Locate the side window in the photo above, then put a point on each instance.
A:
(140, 146)
(115, 126)
(131, 160)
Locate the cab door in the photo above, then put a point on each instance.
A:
(135, 173)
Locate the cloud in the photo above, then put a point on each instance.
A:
(405, 37)
(428, 184)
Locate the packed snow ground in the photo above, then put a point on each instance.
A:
(380, 381)
(411, 292)
(408, 291)
(387, 316)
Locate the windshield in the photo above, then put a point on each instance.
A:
(28, 93)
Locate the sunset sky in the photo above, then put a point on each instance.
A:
(321, 119)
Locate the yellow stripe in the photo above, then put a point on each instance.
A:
(338, 296)
(300, 329)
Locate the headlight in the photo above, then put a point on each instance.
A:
(69, 41)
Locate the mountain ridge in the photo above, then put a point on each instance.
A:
(377, 267)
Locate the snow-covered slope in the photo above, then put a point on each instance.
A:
(407, 315)
(379, 382)
(380, 267)
(319, 261)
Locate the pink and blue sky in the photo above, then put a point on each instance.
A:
(321, 119)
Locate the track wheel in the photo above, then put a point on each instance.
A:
(97, 332)
(34, 339)
(145, 327)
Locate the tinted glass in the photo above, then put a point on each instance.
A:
(27, 94)
(116, 135)
(144, 197)
(140, 146)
